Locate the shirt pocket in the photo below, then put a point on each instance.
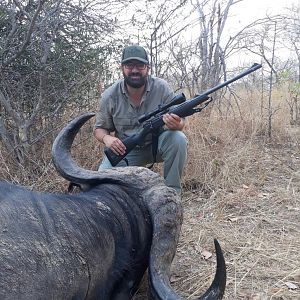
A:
(125, 125)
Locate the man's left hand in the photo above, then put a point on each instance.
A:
(173, 122)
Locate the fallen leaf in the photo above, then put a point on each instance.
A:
(291, 285)
(263, 195)
(206, 254)
(293, 208)
(234, 219)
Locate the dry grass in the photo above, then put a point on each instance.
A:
(258, 226)
(244, 190)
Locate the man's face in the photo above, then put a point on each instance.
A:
(135, 73)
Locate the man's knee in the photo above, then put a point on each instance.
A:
(173, 140)
(180, 139)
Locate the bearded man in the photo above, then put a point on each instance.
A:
(123, 103)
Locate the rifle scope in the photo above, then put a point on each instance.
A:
(178, 99)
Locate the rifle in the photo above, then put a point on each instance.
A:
(183, 108)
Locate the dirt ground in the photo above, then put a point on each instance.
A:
(257, 225)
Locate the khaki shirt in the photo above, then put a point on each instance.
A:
(117, 114)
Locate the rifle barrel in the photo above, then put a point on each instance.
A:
(253, 68)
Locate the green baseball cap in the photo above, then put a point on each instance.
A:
(134, 52)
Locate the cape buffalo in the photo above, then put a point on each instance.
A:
(96, 244)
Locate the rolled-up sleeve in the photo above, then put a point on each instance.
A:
(104, 116)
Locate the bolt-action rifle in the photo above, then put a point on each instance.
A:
(178, 106)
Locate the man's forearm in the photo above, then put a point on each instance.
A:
(100, 133)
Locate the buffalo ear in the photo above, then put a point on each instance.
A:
(74, 188)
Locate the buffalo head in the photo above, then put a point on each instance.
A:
(161, 202)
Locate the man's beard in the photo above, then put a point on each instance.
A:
(135, 82)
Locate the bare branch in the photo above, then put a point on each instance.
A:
(28, 36)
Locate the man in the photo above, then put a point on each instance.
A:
(124, 102)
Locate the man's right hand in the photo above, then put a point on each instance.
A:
(114, 144)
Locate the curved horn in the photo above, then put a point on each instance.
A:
(159, 280)
(61, 152)
(217, 288)
(68, 168)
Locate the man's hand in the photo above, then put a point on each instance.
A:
(173, 122)
(114, 144)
